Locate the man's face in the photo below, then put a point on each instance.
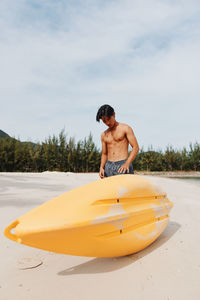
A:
(109, 121)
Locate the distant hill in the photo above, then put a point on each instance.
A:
(3, 134)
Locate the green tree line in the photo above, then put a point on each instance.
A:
(63, 154)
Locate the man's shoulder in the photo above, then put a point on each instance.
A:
(124, 126)
(103, 134)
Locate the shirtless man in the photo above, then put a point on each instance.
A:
(115, 141)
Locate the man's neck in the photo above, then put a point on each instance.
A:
(115, 125)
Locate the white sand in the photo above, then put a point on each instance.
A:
(168, 269)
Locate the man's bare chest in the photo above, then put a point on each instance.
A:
(114, 137)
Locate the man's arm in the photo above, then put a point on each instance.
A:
(103, 156)
(134, 144)
(135, 148)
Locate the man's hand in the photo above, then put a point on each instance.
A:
(124, 168)
(101, 172)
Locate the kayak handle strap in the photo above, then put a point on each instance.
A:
(9, 234)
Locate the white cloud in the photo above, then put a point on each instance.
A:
(61, 60)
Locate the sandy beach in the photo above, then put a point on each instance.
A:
(169, 269)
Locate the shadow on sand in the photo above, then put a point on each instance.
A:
(104, 265)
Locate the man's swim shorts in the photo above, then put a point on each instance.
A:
(111, 168)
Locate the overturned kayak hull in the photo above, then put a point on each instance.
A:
(116, 216)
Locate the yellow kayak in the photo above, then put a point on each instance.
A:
(110, 217)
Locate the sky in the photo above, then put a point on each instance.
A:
(61, 60)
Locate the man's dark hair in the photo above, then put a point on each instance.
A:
(104, 110)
